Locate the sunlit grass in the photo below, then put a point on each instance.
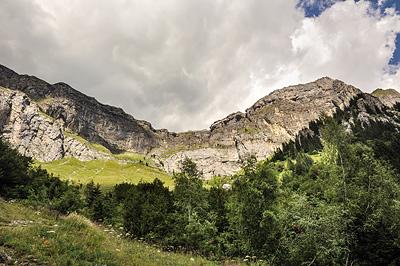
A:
(106, 173)
(36, 237)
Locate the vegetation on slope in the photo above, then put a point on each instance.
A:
(30, 236)
(106, 173)
(331, 197)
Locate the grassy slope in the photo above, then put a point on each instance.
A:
(106, 173)
(125, 167)
(35, 237)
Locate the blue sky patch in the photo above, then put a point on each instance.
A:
(396, 55)
(314, 8)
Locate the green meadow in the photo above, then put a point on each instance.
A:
(107, 173)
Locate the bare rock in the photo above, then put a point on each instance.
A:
(388, 97)
(36, 134)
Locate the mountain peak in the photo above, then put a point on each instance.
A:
(388, 97)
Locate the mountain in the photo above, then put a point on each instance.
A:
(52, 121)
(271, 121)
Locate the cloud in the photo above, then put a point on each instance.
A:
(183, 64)
(350, 41)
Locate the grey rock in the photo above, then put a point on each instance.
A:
(271, 121)
(388, 97)
(226, 186)
(36, 134)
(36, 117)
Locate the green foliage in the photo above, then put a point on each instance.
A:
(16, 172)
(20, 179)
(252, 220)
(329, 197)
(145, 208)
(189, 194)
(69, 201)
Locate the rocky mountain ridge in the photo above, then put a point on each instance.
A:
(49, 121)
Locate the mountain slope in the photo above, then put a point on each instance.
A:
(95, 122)
(37, 134)
(271, 121)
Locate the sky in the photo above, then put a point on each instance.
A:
(183, 64)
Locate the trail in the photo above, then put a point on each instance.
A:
(98, 171)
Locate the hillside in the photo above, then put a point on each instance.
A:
(107, 173)
(31, 236)
(327, 197)
(54, 121)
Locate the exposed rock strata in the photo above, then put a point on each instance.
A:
(388, 97)
(107, 125)
(262, 129)
(38, 135)
(36, 121)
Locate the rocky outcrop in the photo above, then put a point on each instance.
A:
(388, 97)
(50, 122)
(262, 129)
(36, 134)
(107, 125)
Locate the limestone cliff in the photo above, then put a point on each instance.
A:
(36, 117)
(107, 125)
(388, 97)
(262, 129)
(36, 134)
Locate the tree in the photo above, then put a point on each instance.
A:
(69, 201)
(14, 167)
(146, 210)
(251, 211)
(94, 200)
(189, 194)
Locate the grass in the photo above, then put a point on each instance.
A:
(126, 166)
(94, 145)
(106, 173)
(249, 131)
(131, 156)
(380, 92)
(182, 148)
(35, 237)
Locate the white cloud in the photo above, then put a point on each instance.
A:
(381, 2)
(349, 41)
(182, 64)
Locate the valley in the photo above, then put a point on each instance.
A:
(307, 175)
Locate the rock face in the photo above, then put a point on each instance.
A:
(262, 129)
(388, 97)
(37, 135)
(36, 117)
(91, 120)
